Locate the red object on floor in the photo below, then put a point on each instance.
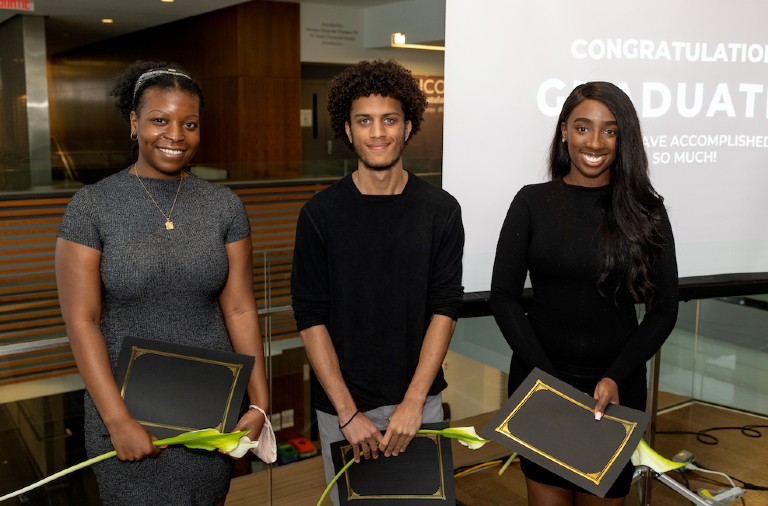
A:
(304, 446)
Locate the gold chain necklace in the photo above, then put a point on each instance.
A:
(168, 222)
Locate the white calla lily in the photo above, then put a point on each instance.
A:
(466, 436)
(644, 455)
(243, 446)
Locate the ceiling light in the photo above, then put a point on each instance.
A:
(398, 40)
(107, 21)
(167, 1)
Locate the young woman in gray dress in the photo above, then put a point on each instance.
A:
(155, 252)
(596, 240)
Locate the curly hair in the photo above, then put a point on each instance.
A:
(129, 98)
(374, 77)
(631, 234)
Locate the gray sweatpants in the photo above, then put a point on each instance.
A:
(328, 426)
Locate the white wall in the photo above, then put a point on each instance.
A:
(698, 82)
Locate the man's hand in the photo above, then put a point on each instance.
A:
(364, 437)
(403, 425)
(606, 392)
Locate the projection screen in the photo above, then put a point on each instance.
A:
(697, 72)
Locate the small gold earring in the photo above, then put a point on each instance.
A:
(134, 136)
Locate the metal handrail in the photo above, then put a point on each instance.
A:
(476, 304)
(45, 344)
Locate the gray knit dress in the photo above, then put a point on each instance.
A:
(158, 284)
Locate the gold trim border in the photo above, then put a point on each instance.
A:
(234, 368)
(540, 386)
(439, 494)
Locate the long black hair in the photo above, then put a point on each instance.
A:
(631, 233)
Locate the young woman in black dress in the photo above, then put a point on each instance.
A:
(596, 241)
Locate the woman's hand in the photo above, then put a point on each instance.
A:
(606, 392)
(132, 441)
(252, 421)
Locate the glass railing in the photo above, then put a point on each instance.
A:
(717, 353)
(72, 169)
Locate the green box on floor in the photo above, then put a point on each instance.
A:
(286, 453)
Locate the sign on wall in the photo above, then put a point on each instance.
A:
(18, 5)
(434, 88)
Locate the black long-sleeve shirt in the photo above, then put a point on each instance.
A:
(571, 331)
(374, 269)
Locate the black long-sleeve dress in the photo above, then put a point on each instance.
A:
(572, 331)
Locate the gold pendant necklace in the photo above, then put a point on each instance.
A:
(168, 222)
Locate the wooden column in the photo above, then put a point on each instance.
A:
(252, 73)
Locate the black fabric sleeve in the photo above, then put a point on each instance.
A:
(659, 321)
(445, 290)
(310, 290)
(510, 269)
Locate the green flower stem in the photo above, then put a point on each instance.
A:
(205, 439)
(507, 463)
(459, 433)
(335, 479)
(58, 475)
(453, 435)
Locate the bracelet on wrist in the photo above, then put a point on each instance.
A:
(350, 419)
(254, 406)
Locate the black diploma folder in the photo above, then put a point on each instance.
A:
(553, 424)
(423, 474)
(172, 388)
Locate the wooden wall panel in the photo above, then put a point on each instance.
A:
(246, 57)
(270, 130)
(221, 133)
(218, 52)
(252, 72)
(269, 31)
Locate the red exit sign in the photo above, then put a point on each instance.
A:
(18, 5)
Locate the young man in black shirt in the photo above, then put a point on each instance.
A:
(376, 280)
